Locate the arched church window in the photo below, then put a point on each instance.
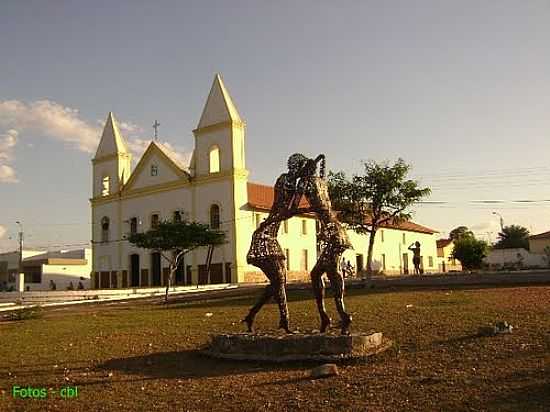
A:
(154, 170)
(214, 158)
(105, 229)
(215, 217)
(105, 186)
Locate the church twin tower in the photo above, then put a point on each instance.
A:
(219, 144)
(214, 186)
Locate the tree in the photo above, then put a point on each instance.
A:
(179, 238)
(460, 232)
(470, 252)
(513, 236)
(382, 195)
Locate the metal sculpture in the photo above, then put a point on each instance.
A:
(265, 251)
(333, 242)
(300, 181)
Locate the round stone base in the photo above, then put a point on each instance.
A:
(282, 348)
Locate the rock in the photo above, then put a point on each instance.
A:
(324, 371)
(504, 327)
(493, 330)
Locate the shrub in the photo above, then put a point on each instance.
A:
(32, 312)
(470, 252)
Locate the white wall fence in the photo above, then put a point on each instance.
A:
(8, 298)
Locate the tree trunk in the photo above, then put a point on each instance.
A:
(369, 253)
(170, 277)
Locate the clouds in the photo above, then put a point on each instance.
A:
(48, 119)
(8, 140)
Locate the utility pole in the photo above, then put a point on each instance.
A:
(501, 221)
(20, 277)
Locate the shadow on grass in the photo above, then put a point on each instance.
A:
(534, 394)
(190, 364)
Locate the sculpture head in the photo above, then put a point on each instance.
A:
(310, 167)
(296, 163)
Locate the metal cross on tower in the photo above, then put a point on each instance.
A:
(156, 127)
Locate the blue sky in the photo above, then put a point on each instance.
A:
(461, 90)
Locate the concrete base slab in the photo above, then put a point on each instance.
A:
(283, 348)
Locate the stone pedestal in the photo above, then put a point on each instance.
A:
(282, 348)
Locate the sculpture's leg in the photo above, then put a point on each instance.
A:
(337, 284)
(279, 288)
(264, 298)
(319, 291)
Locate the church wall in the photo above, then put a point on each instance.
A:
(206, 194)
(104, 253)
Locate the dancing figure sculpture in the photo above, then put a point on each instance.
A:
(333, 241)
(265, 251)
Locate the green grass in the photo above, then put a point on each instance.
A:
(145, 356)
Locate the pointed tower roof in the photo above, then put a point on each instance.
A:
(111, 141)
(219, 106)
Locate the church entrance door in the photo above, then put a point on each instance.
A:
(155, 268)
(134, 270)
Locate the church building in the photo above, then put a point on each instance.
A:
(213, 189)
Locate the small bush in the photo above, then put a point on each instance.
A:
(33, 312)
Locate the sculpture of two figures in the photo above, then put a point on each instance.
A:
(301, 181)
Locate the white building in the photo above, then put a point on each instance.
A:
(63, 267)
(213, 189)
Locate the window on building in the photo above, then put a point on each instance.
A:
(404, 239)
(258, 220)
(382, 235)
(285, 226)
(214, 159)
(105, 229)
(215, 217)
(133, 225)
(383, 261)
(304, 227)
(106, 186)
(154, 220)
(154, 170)
(303, 263)
(430, 261)
(177, 216)
(287, 255)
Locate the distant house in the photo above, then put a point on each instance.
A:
(446, 261)
(63, 267)
(537, 243)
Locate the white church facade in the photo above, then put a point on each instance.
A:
(213, 189)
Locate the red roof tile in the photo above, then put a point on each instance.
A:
(261, 197)
(545, 235)
(441, 243)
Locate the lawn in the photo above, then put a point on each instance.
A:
(146, 356)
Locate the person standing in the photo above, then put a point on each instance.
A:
(415, 248)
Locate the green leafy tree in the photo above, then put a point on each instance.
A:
(381, 195)
(173, 240)
(460, 232)
(513, 236)
(470, 252)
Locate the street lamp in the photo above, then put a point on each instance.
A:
(501, 221)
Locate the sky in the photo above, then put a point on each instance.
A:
(459, 89)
